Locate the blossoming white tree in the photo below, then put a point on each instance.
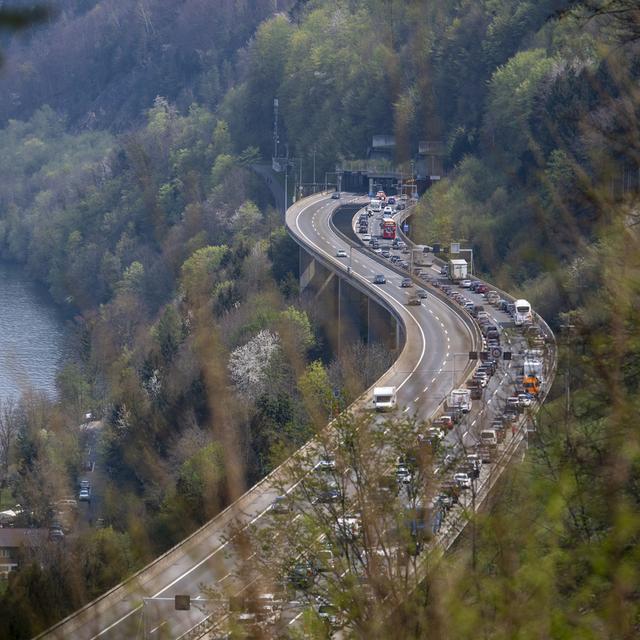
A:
(249, 364)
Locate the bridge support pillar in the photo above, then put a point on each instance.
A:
(307, 269)
(382, 326)
(344, 312)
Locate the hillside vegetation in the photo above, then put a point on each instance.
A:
(128, 133)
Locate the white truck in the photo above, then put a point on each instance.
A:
(460, 399)
(384, 398)
(458, 269)
(375, 205)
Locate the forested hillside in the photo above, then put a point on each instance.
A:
(128, 133)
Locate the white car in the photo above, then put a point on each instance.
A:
(462, 480)
(366, 237)
(465, 284)
(341, 253)
(403, 474)
(525, 399)
(326, 463)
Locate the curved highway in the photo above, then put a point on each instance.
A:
(436, 332)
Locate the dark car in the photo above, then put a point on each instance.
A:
(335, 195)
(281, 505)
(329, 496)
(303, 575)
(379, 279)
(406, 282)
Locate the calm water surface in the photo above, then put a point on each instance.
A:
(33, 339)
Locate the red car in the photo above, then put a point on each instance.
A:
(482, 288)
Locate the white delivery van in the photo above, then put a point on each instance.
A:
(384, 398)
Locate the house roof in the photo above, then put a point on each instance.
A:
(14, 538)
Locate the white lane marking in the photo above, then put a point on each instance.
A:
(160, 625)
(294, 619)
(416, 399)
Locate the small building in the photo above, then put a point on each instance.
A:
(12, 541)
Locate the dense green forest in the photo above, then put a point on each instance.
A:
(128, 133)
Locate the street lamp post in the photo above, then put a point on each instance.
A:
(314, 168)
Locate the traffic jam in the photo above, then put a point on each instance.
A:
(428, 472)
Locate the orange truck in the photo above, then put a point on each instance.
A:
(531, 385)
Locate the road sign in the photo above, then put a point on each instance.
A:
(506, 355)
(496, 352)
(405, 227)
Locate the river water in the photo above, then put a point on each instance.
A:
(33, 340)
